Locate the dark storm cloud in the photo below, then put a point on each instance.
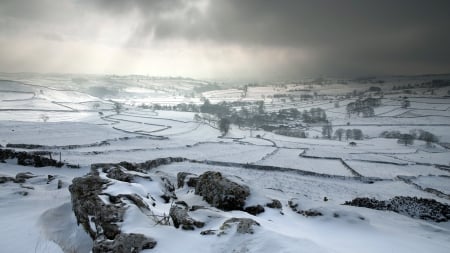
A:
(345, 36)
(340, 37)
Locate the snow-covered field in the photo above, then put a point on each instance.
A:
(84, 129)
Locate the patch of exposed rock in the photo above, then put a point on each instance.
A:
(221, 192)
(243, 226)
(86, 203)
(5, 179)
(180, 217)
(101, 219)
(307, 213)
(426, 209)
(274, 204)
(20, 178)
(188, 178)
(118, 174)
(254, 210)
(125, 243)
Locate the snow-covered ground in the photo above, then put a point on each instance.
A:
(53, 113)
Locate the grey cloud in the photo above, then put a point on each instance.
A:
(341, 37)
(345, 35)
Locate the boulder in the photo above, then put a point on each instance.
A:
(244, 225)
(4, 179)
(86, 203)
(124, 243)
(274, 204)
(21, 177)
(181, 178)
(180, 217)
(307, 213)
(168, 190)
(221, 192)
(117, 174)
(254, 210)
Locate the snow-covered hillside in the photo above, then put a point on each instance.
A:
(42, 118)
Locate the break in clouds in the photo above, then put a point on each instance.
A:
(225, 39)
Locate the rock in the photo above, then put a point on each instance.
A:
(221, 192)
(254, 210)
(4, 179)
(168, 189)
(86, 202)
(181, 178)
(208, 232)
(192, 181)
(307, 213)
(179, 214)
(21, 177)
(195, 208)
(274, 204)
(136, 199)
(50, 178)
(124, 243)
(23, 193)
(419, 208)
(117, 174)
(244, 225)
(101, 218)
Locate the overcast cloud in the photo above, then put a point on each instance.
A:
(225, 39)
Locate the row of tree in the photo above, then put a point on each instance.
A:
(408, 138)
(363, 106)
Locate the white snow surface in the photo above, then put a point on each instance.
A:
(42, 220)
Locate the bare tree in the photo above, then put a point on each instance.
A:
(406, 139)
(338, 133)
(224, 126)
(117, 107)
(348, 134)
(327, 130)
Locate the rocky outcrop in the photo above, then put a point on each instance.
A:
(254, 210)
(274, 204)
(101, 218)
(419, 208)
(221, 192)
(168, 190)
(5, 179)
(21, 177)
(180, 217)
(244, 225)
(125, 243)
(86, 203)
(183, 176)
(117, 174)
(294, 205)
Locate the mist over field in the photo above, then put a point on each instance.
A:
(224, 126)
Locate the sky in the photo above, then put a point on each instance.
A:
(218, 39)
